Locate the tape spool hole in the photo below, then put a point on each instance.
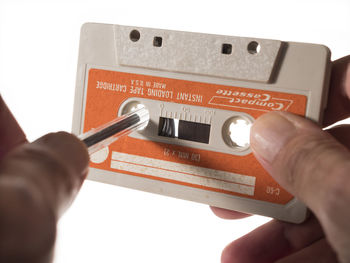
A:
(253, 47)
(236, 132)
(132, 106)
(134, 35)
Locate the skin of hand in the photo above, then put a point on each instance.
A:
(313, 165)
(38, 181)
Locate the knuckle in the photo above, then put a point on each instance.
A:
(334, 212)
(302, 156)
(309, 159)
(317, 170)
(337, 194)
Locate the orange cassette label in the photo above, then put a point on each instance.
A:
(198, 168)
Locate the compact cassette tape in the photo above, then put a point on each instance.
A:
(203, 92)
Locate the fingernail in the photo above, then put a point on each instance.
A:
(269, 134)
(69, 148)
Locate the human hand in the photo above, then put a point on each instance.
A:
(37, 182)
(313, 165)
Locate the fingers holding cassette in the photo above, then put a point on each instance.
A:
(311, 165)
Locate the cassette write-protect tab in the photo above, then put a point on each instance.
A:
(203, 92)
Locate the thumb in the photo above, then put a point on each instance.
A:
(310, 164)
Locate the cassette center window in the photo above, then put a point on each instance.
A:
(185, 130)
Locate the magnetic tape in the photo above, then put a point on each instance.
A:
(202, 92)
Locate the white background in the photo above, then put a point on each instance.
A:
(38, 57)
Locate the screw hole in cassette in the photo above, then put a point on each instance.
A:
(253, 47)
(134, 35)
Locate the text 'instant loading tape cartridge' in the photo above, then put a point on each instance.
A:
(202, 92)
